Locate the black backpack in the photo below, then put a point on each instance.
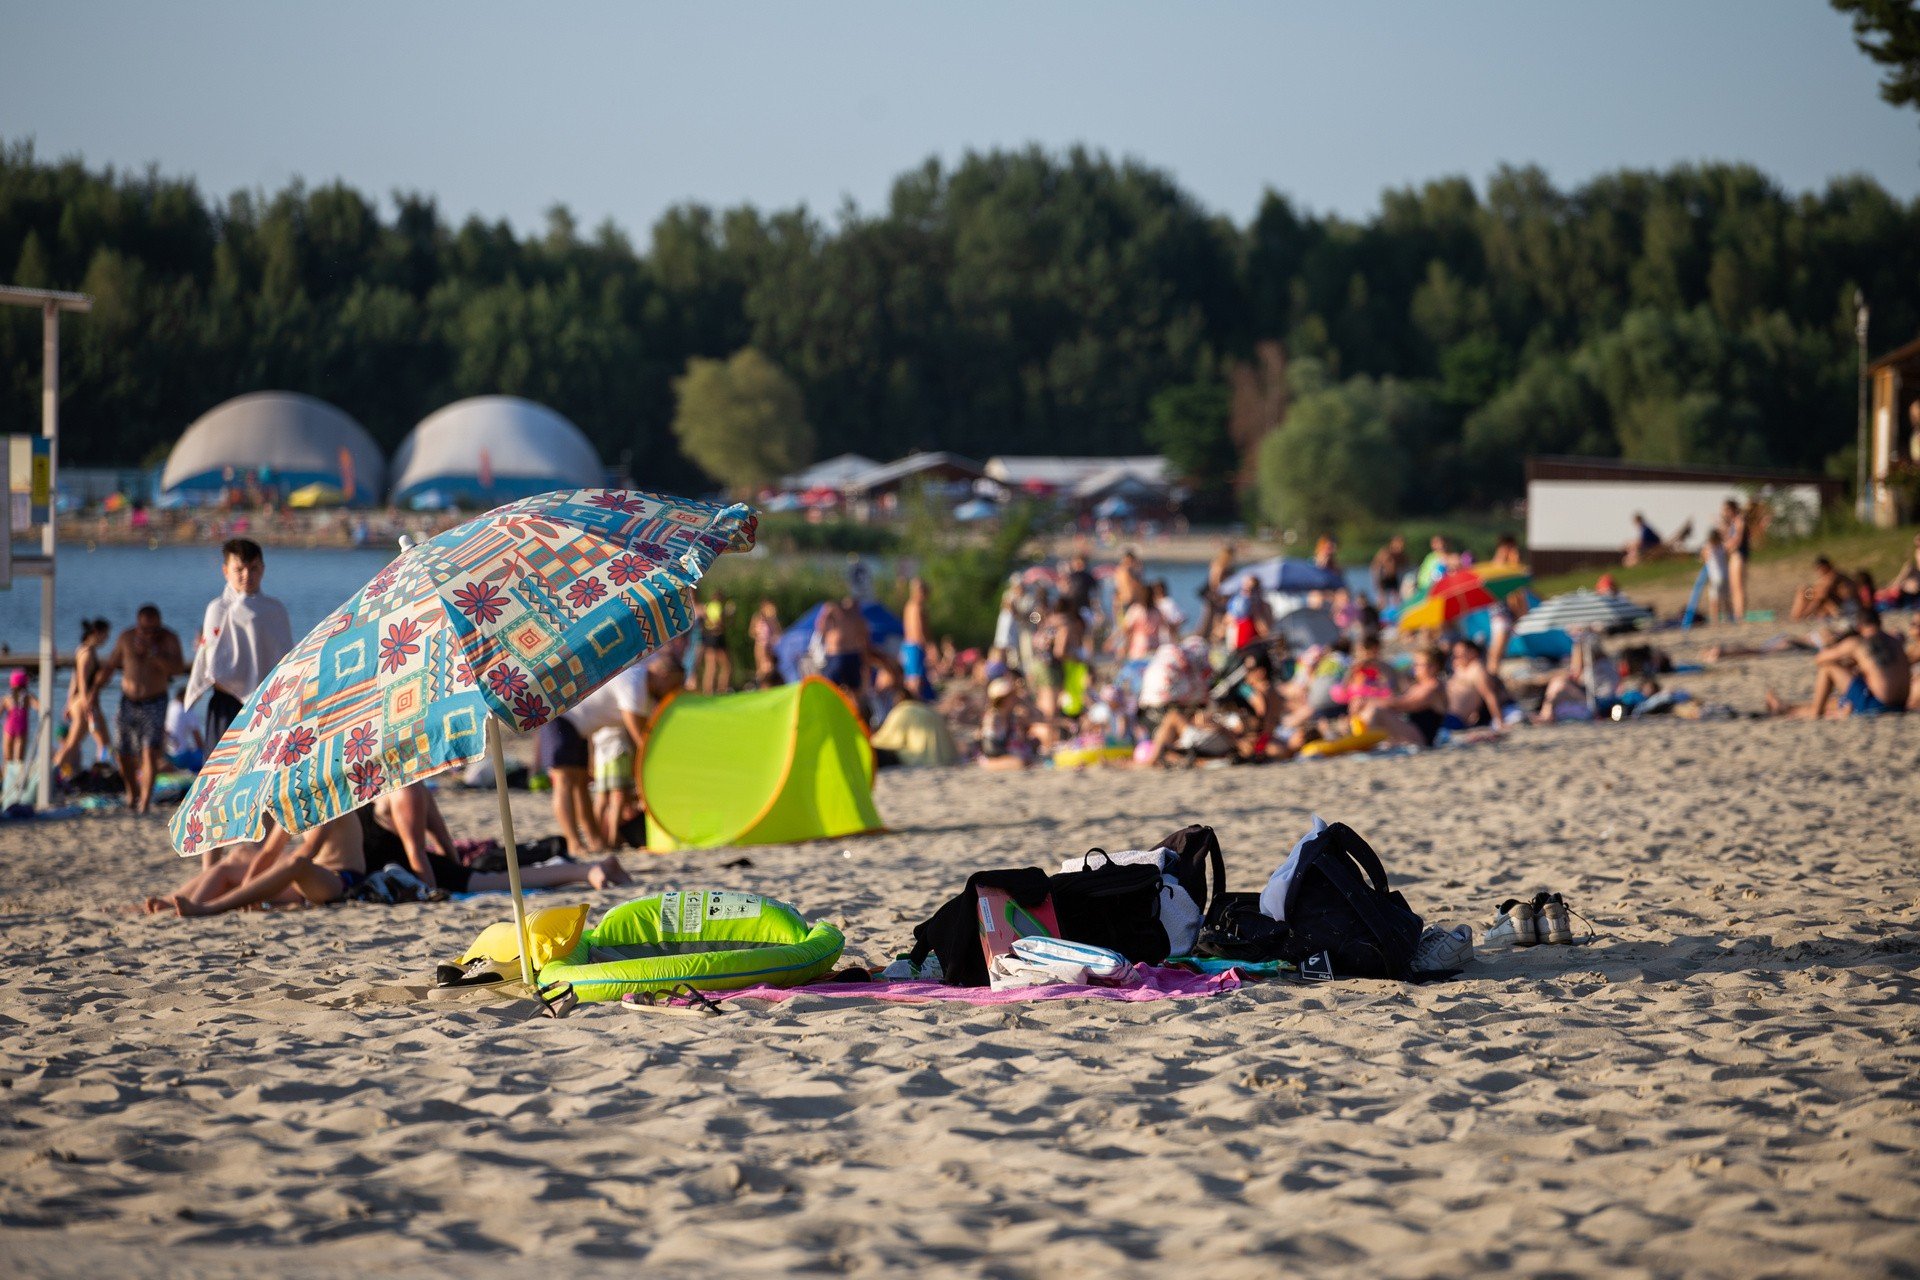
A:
(1339, 903)
(1117, 907)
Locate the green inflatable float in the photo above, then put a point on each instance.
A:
(768, 767)
(713, 940)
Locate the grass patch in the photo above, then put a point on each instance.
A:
(1850, 546)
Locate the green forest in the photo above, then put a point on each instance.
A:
(1013, 302)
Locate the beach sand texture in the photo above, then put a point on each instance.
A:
(1724, 1083)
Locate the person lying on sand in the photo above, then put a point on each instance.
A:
(337, 855)
(1765, 649)
(406, 828)
(329, 861)
(1868, 669)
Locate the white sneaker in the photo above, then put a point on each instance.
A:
(1440, 949)
(1512, 927)
(1551, 922)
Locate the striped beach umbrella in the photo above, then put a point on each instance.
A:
(1583, 610)
(507, 620)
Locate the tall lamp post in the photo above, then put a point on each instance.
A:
(1863, 504)
(49, 304)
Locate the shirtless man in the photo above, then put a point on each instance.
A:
(1827, 596)
(1128, 587)
(147, 655)
(844, 637)
(1868, 670)
(1473, 695)
(913, 645)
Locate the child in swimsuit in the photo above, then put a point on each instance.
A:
(20, 708)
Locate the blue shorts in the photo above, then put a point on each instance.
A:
(1861, 699)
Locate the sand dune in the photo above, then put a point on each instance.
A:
(1721, 1084)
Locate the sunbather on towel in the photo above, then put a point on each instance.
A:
(1863, 674)
(1415, 716)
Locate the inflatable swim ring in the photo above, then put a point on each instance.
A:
(1364, 741)
(710, 939)
(1084, 757)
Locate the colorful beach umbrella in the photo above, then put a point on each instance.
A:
(1453, 596)
(511, 618)
(1502, 580)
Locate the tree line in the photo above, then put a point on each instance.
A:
(1013, 302)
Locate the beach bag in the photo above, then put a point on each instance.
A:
(1116, 907)
(1179, 913)
(1339, 902)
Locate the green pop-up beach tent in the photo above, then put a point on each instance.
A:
(777, 765)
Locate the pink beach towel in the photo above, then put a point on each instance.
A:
(1155, 984)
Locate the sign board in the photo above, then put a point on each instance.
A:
(40, 480)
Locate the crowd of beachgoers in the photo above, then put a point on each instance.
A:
(1090, 665)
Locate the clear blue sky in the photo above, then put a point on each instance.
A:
(621, 110)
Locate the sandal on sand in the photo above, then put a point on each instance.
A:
(557, 999)
(681, 999)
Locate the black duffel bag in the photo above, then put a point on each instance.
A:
(1116, 907)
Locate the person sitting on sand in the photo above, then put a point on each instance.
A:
(1257, 737)
(1415, 715)
(1869, 670)
(1587, 673)
(1004, 727)
(1474, 695)
(1829, 595)
(1904, 590)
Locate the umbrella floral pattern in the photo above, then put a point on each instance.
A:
(518, 614)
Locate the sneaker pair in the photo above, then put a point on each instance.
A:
(1525, 924)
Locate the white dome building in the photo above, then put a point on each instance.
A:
(280, 438)
(488, 450)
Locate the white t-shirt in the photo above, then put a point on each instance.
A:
(181, 729)
(601, 709)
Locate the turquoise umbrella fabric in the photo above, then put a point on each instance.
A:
(516, 615)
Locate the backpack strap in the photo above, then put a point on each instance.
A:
(1086, 859)
(1349, 842)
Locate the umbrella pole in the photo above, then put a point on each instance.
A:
(499, 755)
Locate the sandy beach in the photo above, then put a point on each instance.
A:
(1723, 1083)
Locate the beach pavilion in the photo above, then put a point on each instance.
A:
(279, 439)
(487, 450)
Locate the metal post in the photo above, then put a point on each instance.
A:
(1863, 504)
(50, 428)
(49, 303)
(499, 756)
